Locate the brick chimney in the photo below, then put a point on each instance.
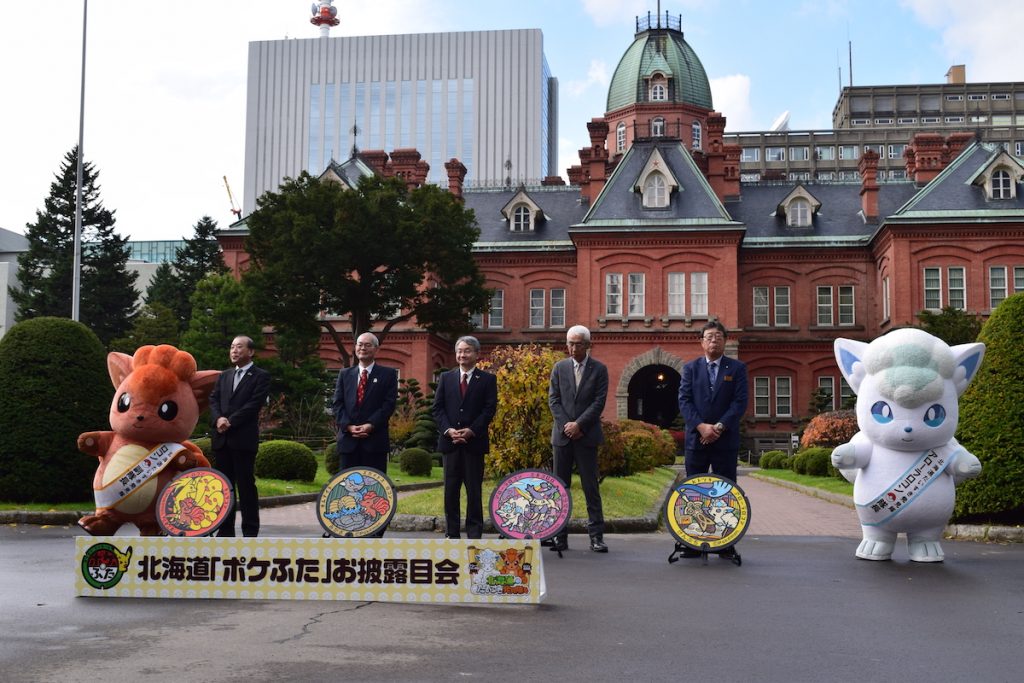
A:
(723, 161)
(595, 159)
(552, 180)
(930, 155)
(958, 142)
(405, 164)
(456, 176)
(376, 159)
(869, 186)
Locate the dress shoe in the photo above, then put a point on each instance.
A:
(547, 542)
(559, 545)
(597, 544)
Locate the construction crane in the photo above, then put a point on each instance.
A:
(234, 208)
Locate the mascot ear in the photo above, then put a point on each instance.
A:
(848, 355)
(968, 360)
(119, 365)
(202, 384)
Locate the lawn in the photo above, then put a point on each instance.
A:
(621, 497)
(830, 484)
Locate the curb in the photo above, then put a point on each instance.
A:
(959, 532)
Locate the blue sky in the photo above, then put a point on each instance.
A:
(165, 82)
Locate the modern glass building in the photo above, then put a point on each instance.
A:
(486, 98)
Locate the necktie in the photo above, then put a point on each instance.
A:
(238, 378)
(361, 389)
(464, 385)
(713, 373)
(579, 374)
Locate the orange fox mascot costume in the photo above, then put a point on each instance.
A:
(156, 406)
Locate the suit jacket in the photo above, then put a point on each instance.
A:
(726, 404)
(240, 406)
(475, 410)
(378, 404)
(582, 405)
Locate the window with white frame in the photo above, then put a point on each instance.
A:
(537, 307)
(677, 294)
(847, 398)
(521, 219)
(929, 119)
(698, 295)
(655, 192)
(847, 309)
(954, 98)
(954, 119)
(762, 398)
(896, 151)
(782, 306)
(907, 120)
(696, 135)
(827, 387)
(877, 149)
(659, 93)
(496, 312)
(798, 213)
(558, 307)
(933, 289)
(774, 153)
(657, 127)
(976, 97)
(886, 311)
(996, 285)
(849, 152)
(783, 396)
(636, 294)
(620, 137)
(751, 154)
(1018, 279)
(825, 153)
(760, 306)
(956, 287)
(613, 294)
(1018, 148)
(1001, 185)
(824, 306)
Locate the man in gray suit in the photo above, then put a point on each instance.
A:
(579, 387)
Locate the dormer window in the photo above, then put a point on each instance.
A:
(521, 219)
(798, 213)
(1001, 185)
(1000, 176)
(659, 92)
(657, 127)
(620, 137)
(655, 191)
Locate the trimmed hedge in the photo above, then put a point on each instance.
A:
(55, 386)
(771, 460)
(814, 462)
(285, 460)
(992, 421)
(416, 462)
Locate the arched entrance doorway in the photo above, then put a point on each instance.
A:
(654, 395)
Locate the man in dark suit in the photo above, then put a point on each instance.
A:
(712, 400)
(235, 403)
(464, 404)
(576, 395)
(364, 399)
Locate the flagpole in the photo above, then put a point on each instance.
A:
(76, 277)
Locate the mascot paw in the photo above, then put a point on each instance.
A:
(925, 551)
(99, 525)
(874, 550)
(844, 456)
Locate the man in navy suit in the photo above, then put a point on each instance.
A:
(364, 399)
(464, 404)
(712, 400)
(235, 404)
(576, 396)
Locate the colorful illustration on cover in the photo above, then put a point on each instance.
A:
(530, 504)
(359, 501)
(103, 565)
(194, 503)
(707, 512)
(500, 570)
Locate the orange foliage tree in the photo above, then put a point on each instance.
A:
(830, 429)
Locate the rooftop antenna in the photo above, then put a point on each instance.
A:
(325, 16)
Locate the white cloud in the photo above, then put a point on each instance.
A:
(597, 75)
(731, 95)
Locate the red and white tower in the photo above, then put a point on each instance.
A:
(324, 16)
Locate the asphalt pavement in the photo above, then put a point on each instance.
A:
(800, 608)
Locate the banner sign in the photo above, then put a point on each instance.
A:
(377, 569)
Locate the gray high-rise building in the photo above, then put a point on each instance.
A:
(486, 98)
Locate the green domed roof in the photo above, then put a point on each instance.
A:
(661, 50)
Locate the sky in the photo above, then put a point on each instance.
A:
(165, 82)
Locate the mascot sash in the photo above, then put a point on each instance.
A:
(129, 481)
(898, 496)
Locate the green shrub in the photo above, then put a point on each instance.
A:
(992, 421)
(815, 462)
(640, 450)
(54, 386)
(830, 429)
(205, 444)
(786, 462)
(332, 460)
(611, 455)
(771, 460)
(416, 462)
(285, 460)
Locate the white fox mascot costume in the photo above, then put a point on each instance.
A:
(904, 461)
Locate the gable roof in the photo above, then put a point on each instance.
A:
(561, 207)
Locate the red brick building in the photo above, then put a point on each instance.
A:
(655, 235)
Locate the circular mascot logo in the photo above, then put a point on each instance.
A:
(194, 503)
(103, 565)
(707, 512)
(530, 504)
(358, 502)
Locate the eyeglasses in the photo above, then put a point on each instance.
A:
(714, 336)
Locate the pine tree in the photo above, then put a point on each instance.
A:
(155, 324)
(163, 287)
(107, 294)
(219, 314)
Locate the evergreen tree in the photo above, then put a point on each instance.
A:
(155, 324)
(951, 325)
(219, 314)
(108, 294)
(163, 287)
